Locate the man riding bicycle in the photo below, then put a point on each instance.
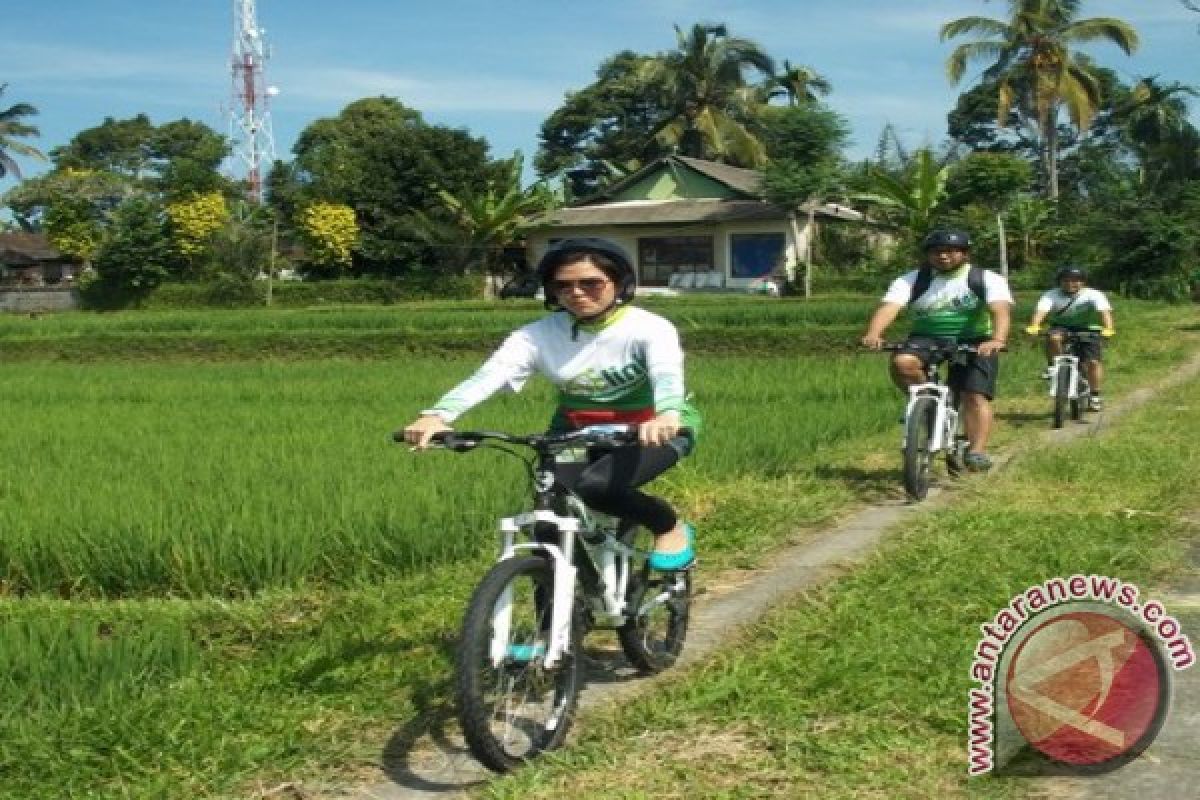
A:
(611, 363)
(1074, 307)
(950, 302)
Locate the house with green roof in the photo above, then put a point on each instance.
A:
(692, 224)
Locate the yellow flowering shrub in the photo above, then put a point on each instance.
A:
(195, 220)
(330, 232)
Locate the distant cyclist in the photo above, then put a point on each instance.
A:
(611, 363)
(950, 302)
(1074, 306)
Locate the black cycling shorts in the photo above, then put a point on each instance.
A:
(975, 374)
(1090, 349)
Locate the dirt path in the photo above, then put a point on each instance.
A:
(435, 763)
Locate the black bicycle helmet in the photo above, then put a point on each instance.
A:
(947, 238)
(611, 259)
(1070, 272)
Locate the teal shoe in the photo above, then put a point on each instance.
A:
(525, 653)
(673, 562)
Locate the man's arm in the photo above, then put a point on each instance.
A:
(884, 316)
(1001, 318)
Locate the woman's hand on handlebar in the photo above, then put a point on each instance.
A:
(421, 430)
(659, 430)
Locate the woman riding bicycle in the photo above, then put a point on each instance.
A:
(611, 363)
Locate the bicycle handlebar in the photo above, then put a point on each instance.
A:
(613, 435)
(947, 349)
(1069, 335)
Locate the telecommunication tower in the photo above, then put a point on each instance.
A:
(250, 113)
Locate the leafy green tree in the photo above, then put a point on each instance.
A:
(135, 257)
(99, 191)
(187, 157)
(381, 159)
(1029, 220)
(242, 247)
(12, 129)
(990, 179)
(604, 126)
(178, 158)
(117, 146)
(710, 104)
(1034, 67)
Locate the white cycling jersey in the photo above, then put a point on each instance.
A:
(1079, 311)
(625, 369)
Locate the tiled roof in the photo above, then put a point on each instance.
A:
(26, 248)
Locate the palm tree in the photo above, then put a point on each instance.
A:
(12, 128)
(482, 224)
(1155, 111)
(709, 102)
(1034, 66)
(799, 84)
(1154, 118)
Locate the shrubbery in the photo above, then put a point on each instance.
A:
(228, 292)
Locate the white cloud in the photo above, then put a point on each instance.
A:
(322, 86)
(54, 63)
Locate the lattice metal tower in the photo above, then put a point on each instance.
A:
(250, 113)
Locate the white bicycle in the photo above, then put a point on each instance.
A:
(932, 420)
(1070, 389)
(518, 671)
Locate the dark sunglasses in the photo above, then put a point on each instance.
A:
(589, 285)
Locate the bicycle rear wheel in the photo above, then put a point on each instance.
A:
(653, 638)
(917, 459)
(1062, 391)
(511, 707)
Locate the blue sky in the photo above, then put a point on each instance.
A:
(499, 68)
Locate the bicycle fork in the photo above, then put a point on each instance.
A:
(562, 595)
(1071, 362)
(942, 412)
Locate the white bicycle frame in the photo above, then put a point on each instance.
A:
(614, 561)
(945, 421)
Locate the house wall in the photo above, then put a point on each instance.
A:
(626, 237)
(24, 301)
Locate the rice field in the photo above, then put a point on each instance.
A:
(227, 479)
(200, 553)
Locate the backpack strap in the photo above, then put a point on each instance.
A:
(975, 282)
(921, 285)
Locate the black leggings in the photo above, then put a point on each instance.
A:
(608, 482)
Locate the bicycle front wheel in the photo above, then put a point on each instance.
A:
(1062, 394)
(918, 432)
(510, 705)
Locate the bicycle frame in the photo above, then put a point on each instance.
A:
(611, 559)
